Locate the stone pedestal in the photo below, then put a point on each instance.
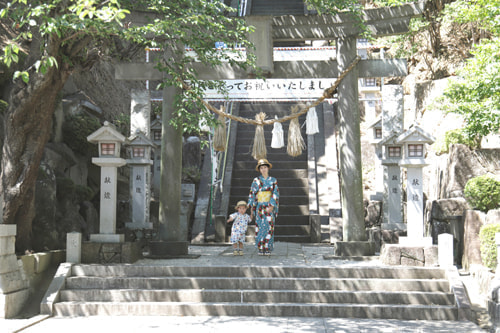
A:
(111, 252)
(107, 215)
(397, 254)
(139, 195)
(393, 217)
(14, 287)
(415, 208)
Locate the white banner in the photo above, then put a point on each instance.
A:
(273, 89)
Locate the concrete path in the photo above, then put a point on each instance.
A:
(285, 254)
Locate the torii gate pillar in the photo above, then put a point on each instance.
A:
(171, 241)
(351, 186)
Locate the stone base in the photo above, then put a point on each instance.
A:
(354, 249)
(107, 238)
(126, 252)
(11, 304)
(397, 254)
(168, 249)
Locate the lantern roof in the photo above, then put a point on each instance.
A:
(156, 124)
(389, 140)
(107, 132)
(415, 134)
(139, 139)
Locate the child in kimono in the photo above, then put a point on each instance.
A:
(240, 225)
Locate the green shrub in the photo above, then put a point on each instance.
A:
(483, 193)
(488, 246)
(75, 131)
(456, 136)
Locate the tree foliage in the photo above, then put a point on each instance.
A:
(55, 38)
(476, 95)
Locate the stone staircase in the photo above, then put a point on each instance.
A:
(292, 224)
(407, 293)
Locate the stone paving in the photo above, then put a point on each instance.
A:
(285, 254)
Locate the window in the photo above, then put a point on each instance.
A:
(394, 151)
(157, 135)
(415, 150)
(378, 133)
(107, 149)
(370, 82)
(138, 151)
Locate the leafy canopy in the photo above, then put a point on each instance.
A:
(476, 95)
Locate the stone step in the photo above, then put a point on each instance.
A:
(284, 199)
(273, 154)
(277, 165)
(256, 296)
(279, 229)
(283, 174)
(393, 272)
(292, 238)
(403, 312)
(238, 183)
(246, 283)
(292, 193)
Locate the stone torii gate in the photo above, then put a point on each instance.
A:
(342, 28)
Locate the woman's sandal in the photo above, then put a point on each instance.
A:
(267, 253)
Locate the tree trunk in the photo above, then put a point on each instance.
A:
(28, 125)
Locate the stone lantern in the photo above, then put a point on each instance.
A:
(392, 152)
(414, 142)
(156, 127)
(140, 193)
(109, 141)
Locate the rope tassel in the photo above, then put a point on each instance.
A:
(312, 122)
(220, 133)
(277, 140)
(295, 141)
(259, 150)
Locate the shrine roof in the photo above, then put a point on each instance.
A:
(415, 134)
(107, 132)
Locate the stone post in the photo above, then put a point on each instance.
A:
(392, 125)
(350, 145)
(74, 247)
(140, 112)
(140, 181)
(445, 250)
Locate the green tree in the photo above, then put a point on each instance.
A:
(476, 95)
(54, 38)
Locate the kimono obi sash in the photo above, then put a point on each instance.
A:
(264, 196)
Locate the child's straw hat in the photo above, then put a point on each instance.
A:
(240, 203)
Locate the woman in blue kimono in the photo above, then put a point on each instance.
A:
(264, 203)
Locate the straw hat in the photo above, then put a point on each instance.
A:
(263, 161)
(240, 203)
